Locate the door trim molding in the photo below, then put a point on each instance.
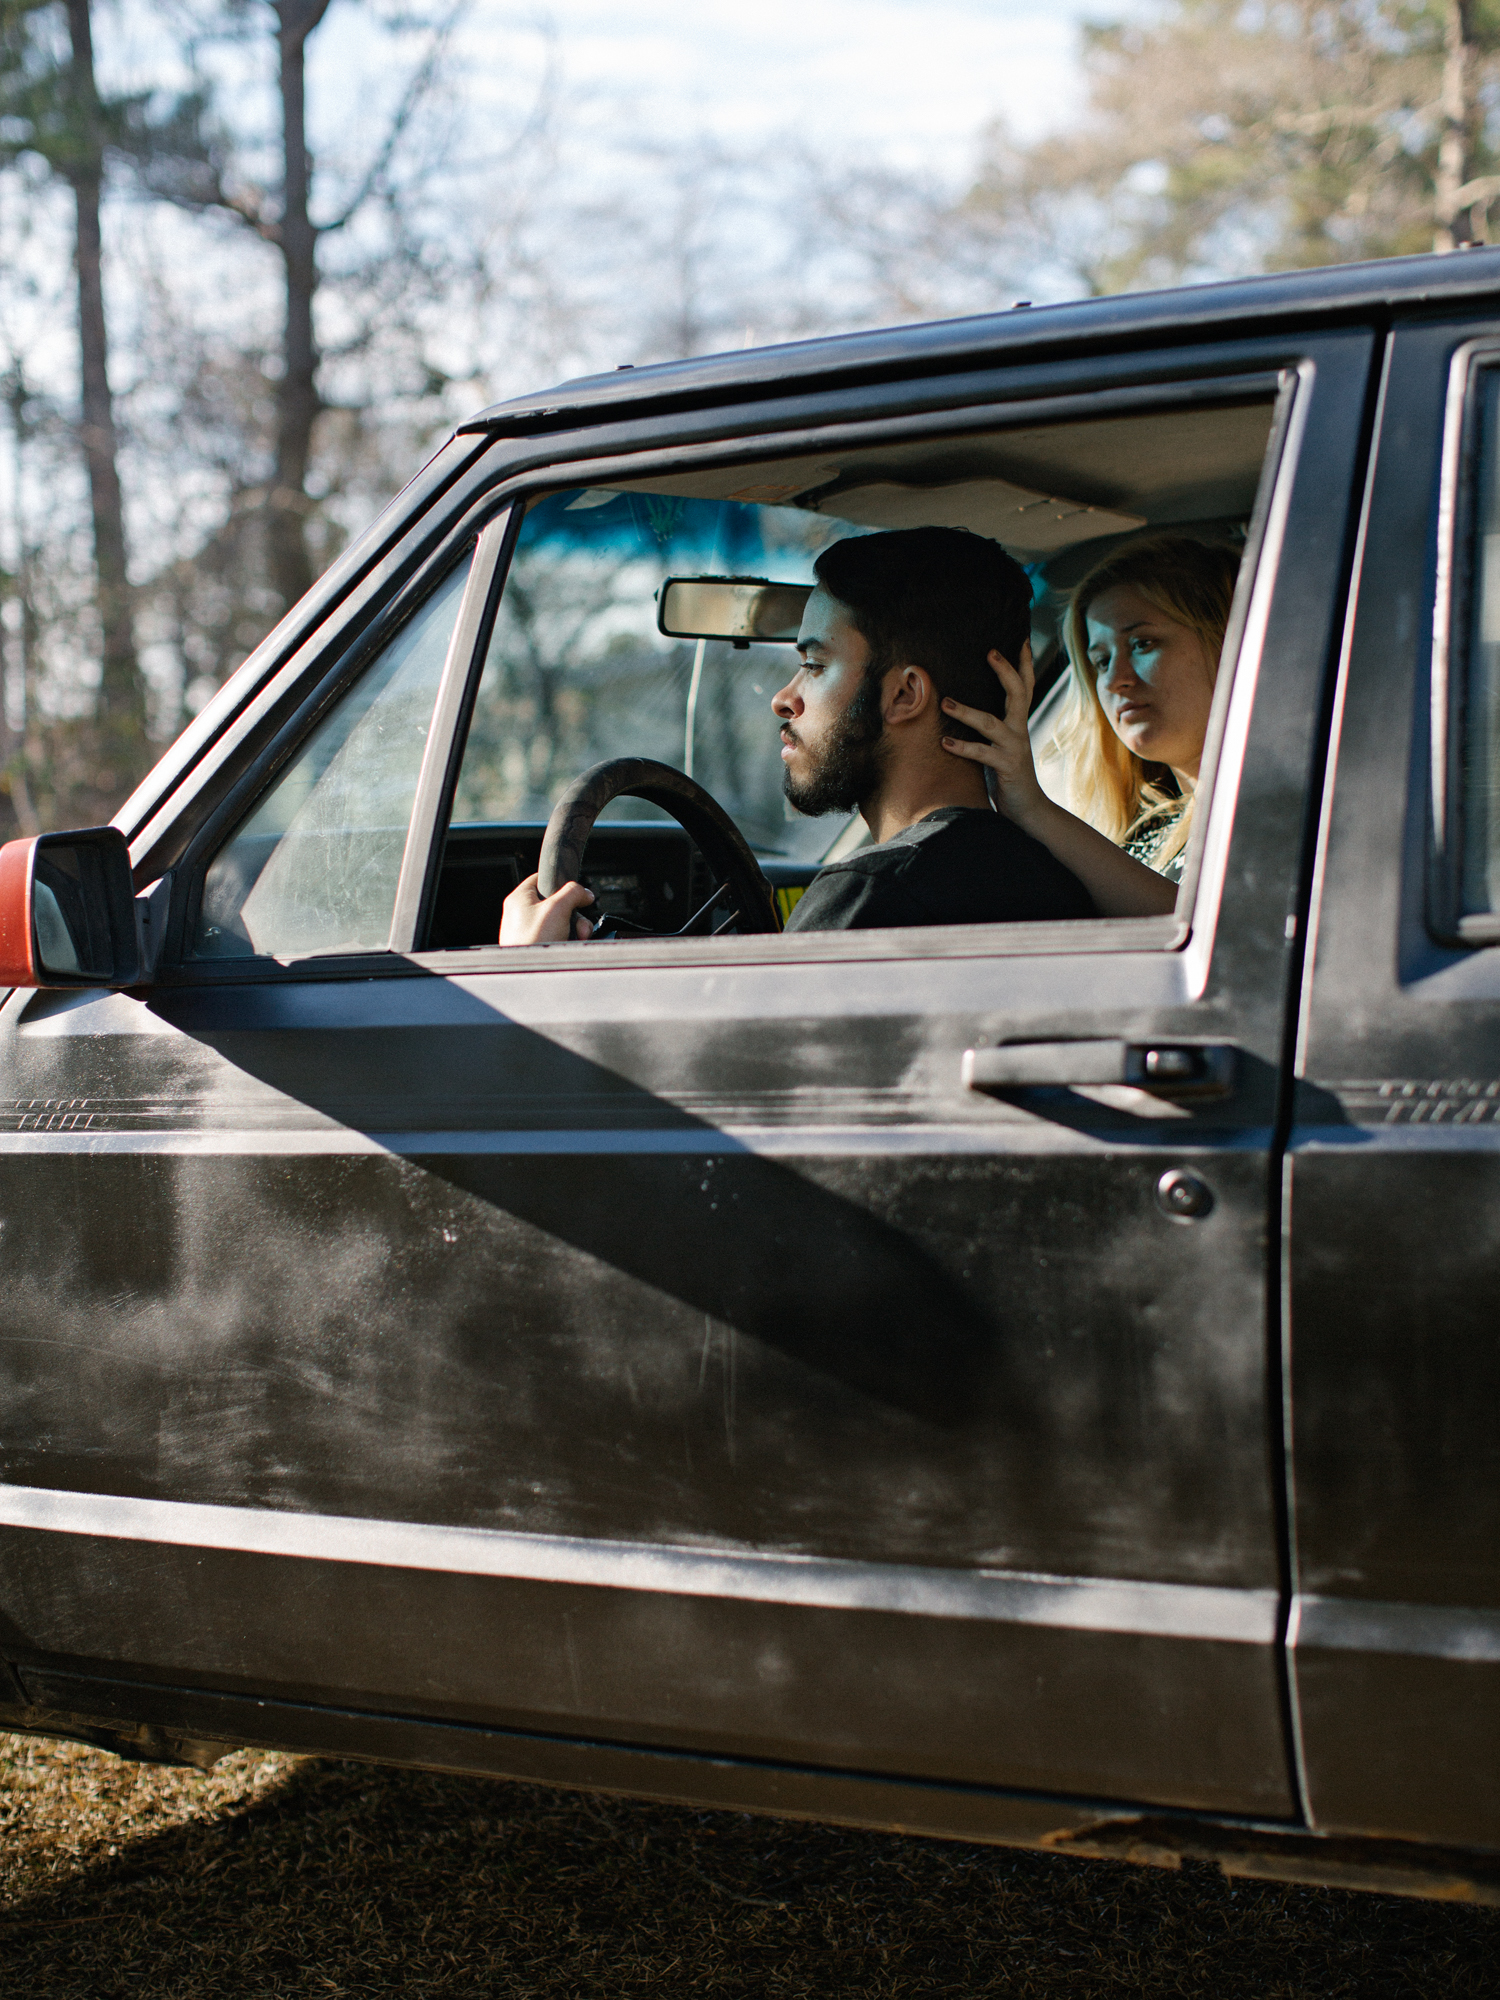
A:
(1412, 1631)
(1099, 1604)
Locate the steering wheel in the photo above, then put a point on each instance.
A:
(720, 842)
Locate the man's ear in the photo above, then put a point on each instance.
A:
(908, 696)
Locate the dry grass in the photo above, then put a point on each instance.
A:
(281, 1875)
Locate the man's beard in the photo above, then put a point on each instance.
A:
(849, 769)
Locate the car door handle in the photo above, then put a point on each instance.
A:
(1168, 1069)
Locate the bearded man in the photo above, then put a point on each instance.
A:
(898, 624)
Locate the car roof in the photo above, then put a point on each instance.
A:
(1330, 293)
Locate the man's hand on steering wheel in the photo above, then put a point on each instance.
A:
(528, 917)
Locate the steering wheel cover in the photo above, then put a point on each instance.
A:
(719, 840)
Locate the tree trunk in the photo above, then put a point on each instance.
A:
(297, 401)
(20, 747)
(122, 691)
(1452, 227)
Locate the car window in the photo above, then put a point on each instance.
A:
(1479, 759)
(315, 865)
(593, 658)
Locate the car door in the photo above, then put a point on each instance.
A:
(1394, 1172)
(740, 1346)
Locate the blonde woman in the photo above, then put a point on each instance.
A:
(1144, 633)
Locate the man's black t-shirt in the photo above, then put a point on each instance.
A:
(961, 865)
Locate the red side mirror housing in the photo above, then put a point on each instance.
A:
(67, 910)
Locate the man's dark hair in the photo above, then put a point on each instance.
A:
(936, 598)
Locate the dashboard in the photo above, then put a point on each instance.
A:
(647, 871)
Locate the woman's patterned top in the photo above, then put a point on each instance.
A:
(1146, 842)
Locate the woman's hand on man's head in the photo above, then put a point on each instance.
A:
(1006, 745)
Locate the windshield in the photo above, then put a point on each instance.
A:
(577, 670)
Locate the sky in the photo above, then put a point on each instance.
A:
(915, 79)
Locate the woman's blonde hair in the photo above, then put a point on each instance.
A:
(1108, 785)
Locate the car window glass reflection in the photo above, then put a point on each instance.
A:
(315, 866)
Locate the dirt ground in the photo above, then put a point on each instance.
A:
(283, 1875)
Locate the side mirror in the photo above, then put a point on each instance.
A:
(67, 910)
(742, 609)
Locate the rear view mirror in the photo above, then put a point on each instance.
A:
(67, 910)
(742, 609)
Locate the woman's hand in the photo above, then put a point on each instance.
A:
(1120, 885)
(526, 917)
(1006, 748)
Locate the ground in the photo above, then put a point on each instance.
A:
(279, 1875)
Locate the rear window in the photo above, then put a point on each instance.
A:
(1478, 760)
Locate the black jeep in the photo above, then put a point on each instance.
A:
(1034, 1382)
